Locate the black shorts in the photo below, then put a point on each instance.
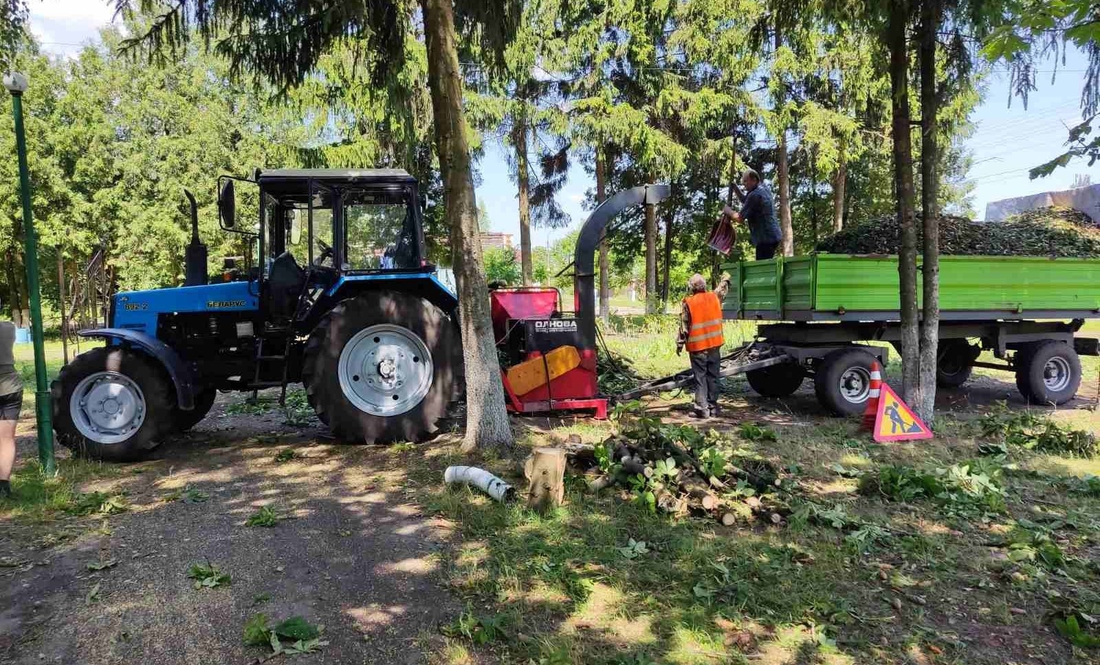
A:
(11, 405)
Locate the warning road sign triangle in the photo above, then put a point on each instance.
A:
(895, 421)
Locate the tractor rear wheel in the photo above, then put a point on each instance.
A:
(381, 367)
(111, 404)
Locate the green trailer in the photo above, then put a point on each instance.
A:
(1026, 310)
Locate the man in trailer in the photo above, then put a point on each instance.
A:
(758, 213)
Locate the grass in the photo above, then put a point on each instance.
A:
(945, 556)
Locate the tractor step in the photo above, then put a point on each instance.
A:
(270, 357)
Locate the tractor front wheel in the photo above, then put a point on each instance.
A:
(381, 367)
(111, 403)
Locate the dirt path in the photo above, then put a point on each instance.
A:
(351, 553)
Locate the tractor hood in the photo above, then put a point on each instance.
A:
(138, 310)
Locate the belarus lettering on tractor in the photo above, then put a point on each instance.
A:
(344, 301)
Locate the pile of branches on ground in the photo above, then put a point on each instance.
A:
(678, 470)
(1054, 231)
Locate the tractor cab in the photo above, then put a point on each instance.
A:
(320, 226)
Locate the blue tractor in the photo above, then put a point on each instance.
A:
(343, 300)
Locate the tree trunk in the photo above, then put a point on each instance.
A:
(519, 139)
(650, 259)
(666, 266)
(930, 324)
(605, 260)
(813, 195)
(839, 183)
(783, 169)
(486, 418)
(903, 184)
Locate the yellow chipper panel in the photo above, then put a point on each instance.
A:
(531, 374)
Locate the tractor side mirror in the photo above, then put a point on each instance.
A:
(295, 227)
(227, 205)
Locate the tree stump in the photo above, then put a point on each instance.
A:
(545, 472)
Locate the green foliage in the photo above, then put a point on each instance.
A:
(501, 266)
(291, 636)
(286, 455)
(265, 516)
(98, 502)
(958, 487)
(1049, 232)
(1071, 629)
(479, 630)
(714, 462)
(1033, 432)
(207, 576)
(754, 432)
(634, 549)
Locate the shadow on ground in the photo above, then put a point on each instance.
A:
(350, 552)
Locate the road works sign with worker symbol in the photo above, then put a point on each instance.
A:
(895, 421)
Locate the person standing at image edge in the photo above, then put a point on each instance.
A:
(701, 334)
(11, 402)
(758, 212)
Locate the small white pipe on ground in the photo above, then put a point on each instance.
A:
(479, 478)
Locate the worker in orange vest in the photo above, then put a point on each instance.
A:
(701, 333)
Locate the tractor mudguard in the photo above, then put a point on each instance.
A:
(181, 374)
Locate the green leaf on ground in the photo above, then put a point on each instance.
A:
(265, 516)
(207, 576)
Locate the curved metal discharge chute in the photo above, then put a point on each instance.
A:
(584, 289)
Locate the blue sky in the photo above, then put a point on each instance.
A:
(1007, 141)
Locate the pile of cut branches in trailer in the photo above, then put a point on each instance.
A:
(1053, 231)
(679, 470)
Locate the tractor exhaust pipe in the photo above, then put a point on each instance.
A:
(195, 273)
(584, 258)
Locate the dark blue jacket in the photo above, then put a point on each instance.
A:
(758, 211)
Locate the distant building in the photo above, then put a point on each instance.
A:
(1085, 199)
(496, 240)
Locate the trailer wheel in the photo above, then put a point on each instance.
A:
(381, 367)
(204, 401)
(111, 404)
(1051, 372)
(777, 380)
(843, 381)
(954, 365)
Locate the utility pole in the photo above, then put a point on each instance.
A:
(17, 84)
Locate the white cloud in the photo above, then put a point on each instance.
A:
(94, 13)
(63, 26)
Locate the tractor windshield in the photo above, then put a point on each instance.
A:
(381, 230)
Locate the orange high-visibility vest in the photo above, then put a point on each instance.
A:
(706, 322)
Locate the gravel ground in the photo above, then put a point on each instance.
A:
(350, 552)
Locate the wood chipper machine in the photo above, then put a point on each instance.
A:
(548, 357)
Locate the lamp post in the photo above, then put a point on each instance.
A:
(17, 84)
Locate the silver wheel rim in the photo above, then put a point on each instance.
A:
(385, 370)
(1056, 374)
(855, 384)
(107, 408)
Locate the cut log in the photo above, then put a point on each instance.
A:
(601, 483)
(728, 519)
(545, 472)
(700, 493)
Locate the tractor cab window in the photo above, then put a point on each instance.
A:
(380, 227)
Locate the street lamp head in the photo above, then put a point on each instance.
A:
(16, 83)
